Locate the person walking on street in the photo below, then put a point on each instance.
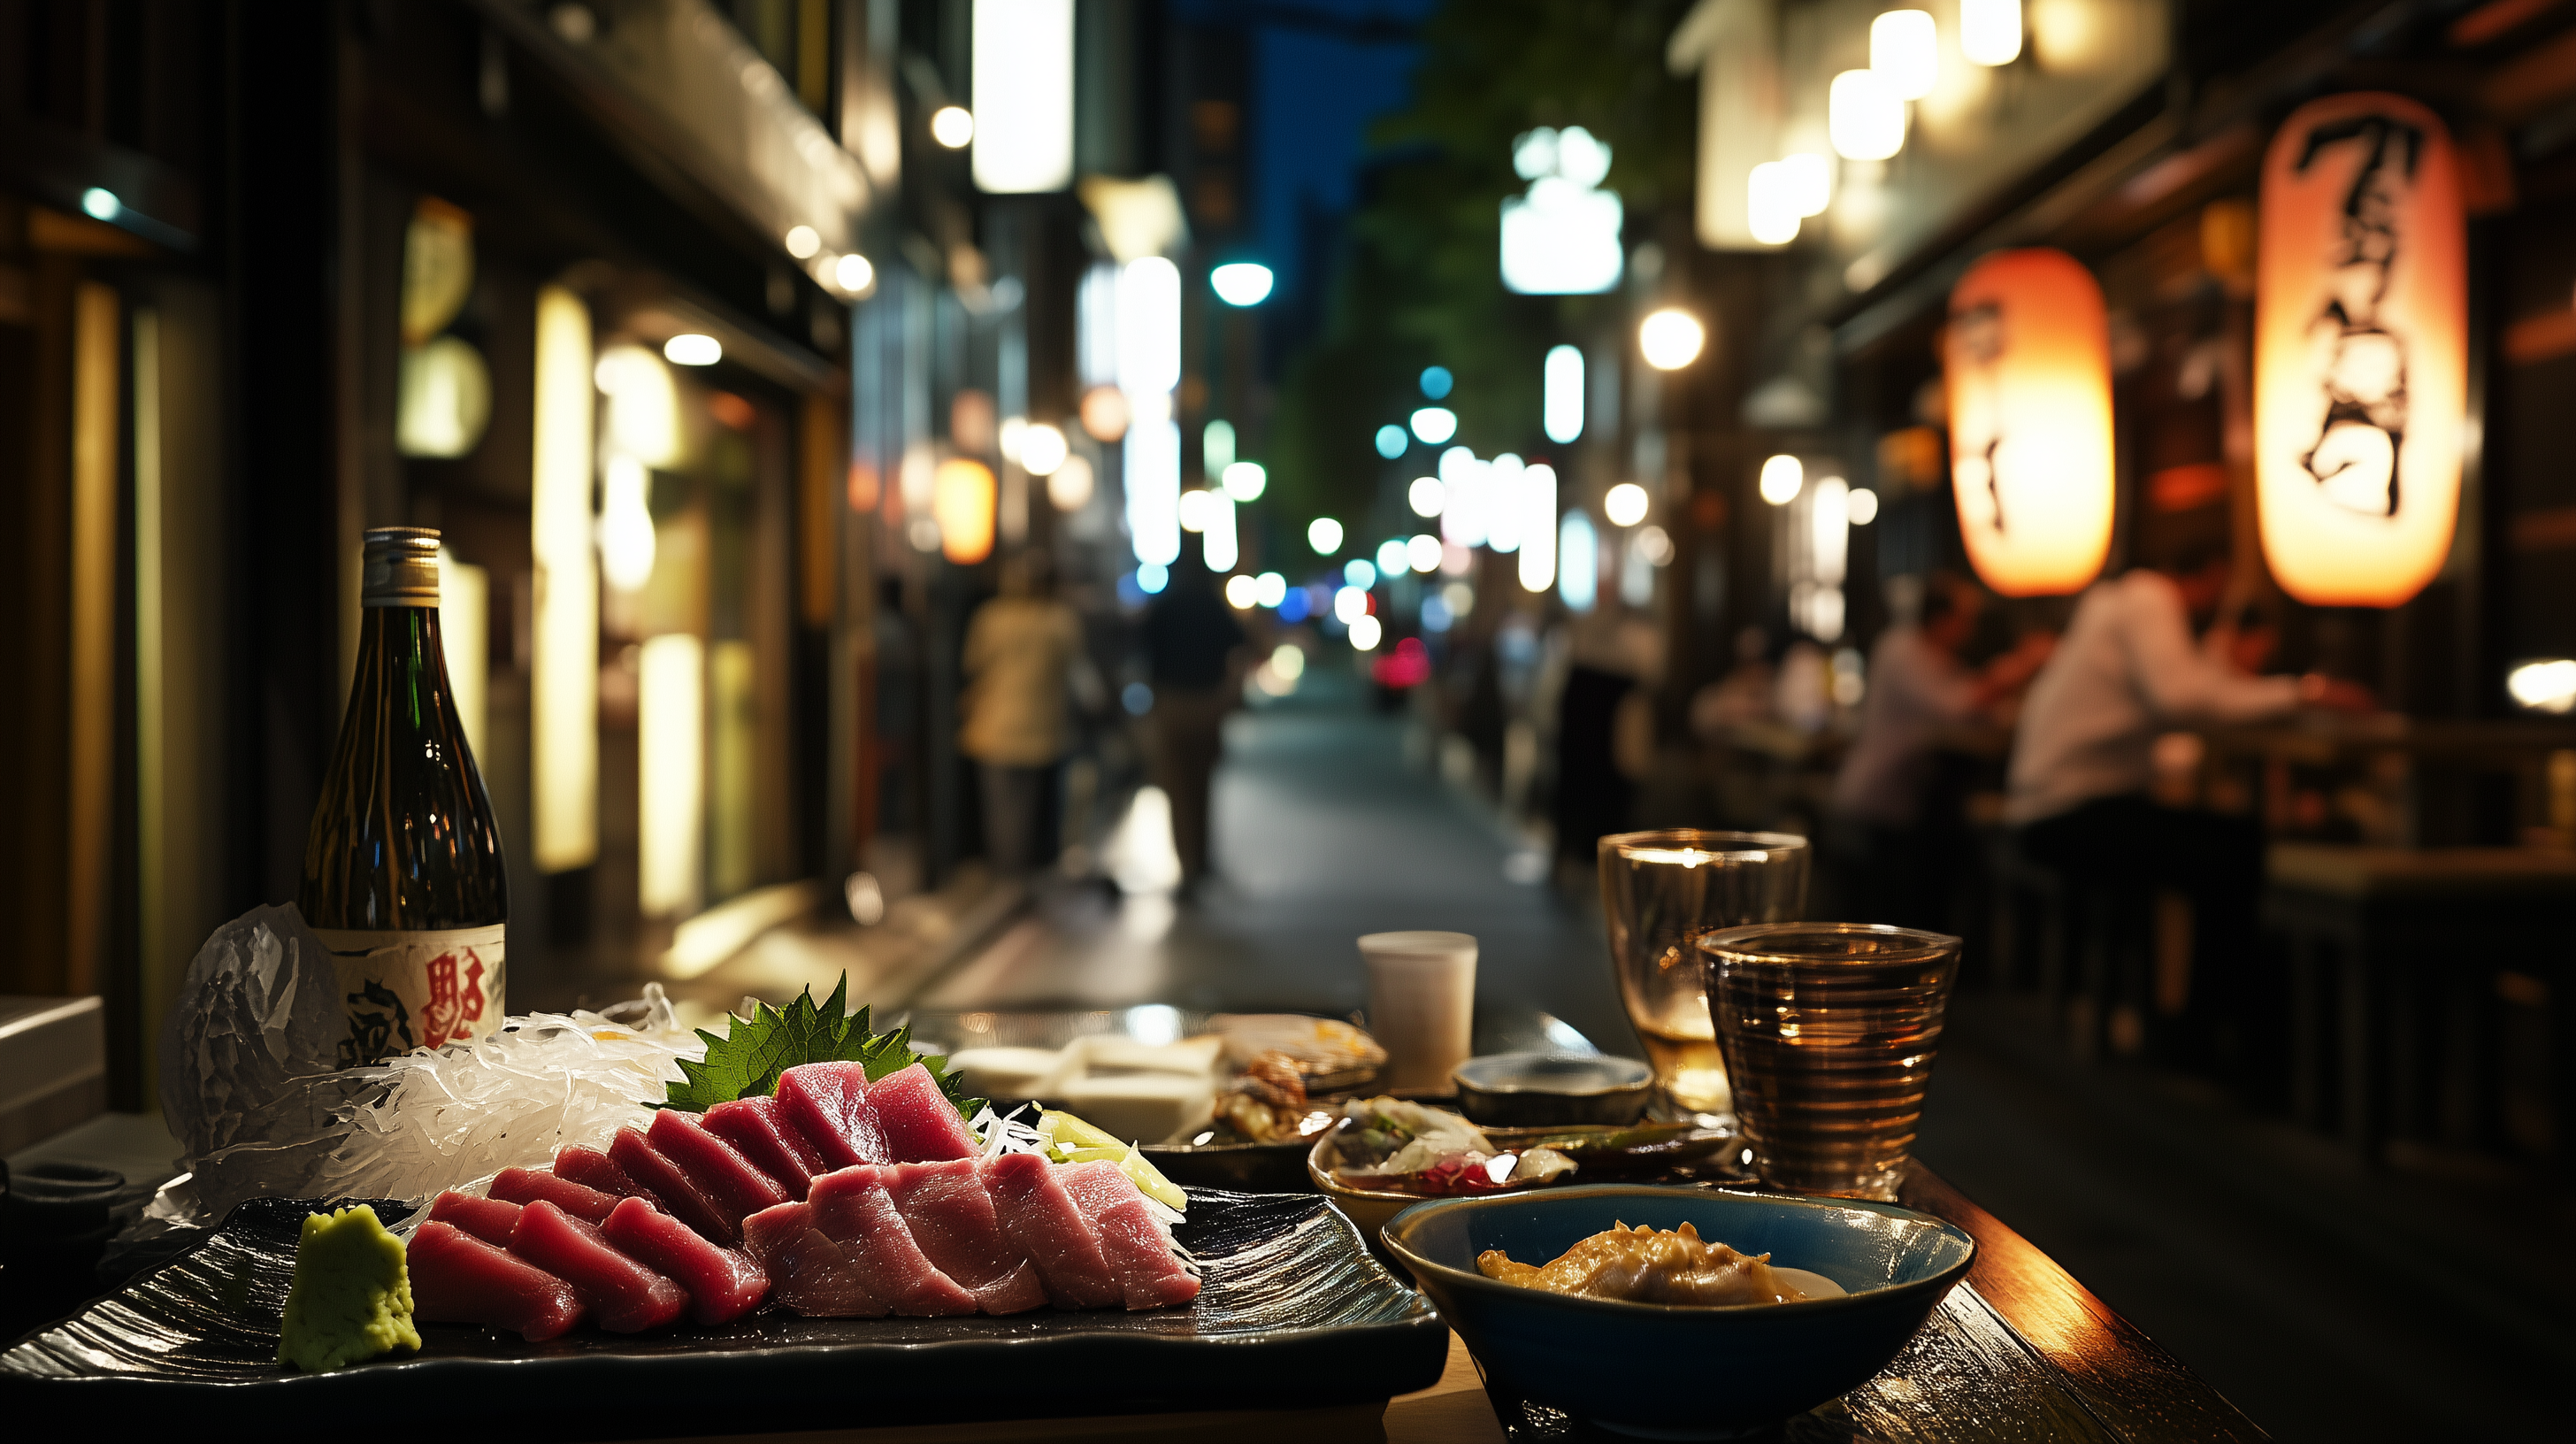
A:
(1024, 659)
(1193, 647)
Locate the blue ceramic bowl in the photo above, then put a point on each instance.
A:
(1663, 1367)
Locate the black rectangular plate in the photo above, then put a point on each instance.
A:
(1294, 1313)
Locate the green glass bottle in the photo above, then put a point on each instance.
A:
(402, 868)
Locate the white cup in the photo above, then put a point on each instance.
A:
(1422, 1004)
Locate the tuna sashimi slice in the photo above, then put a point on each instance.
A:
(625, 1296)
(737, 1189)
(753, 1127)
(666, 1185)
(489, 1219)
(1041, 1220)
(808, 1272)
(592, 1169)
(950, 1213)
(828, 1104)
(529, 1185)
(920, 1124)
(853, 1207)
(457, 1278)
(1135, 1242)
(723, 1284)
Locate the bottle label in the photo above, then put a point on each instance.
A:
(406, 990)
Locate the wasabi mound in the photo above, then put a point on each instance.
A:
(352, 1295)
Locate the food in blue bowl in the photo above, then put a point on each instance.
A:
(1859, 1278)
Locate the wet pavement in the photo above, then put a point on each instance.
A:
(1323, 831)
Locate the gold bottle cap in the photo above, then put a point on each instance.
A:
(401, 567)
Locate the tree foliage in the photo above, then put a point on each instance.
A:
(1419, 281)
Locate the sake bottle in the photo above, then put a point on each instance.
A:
(402, 868)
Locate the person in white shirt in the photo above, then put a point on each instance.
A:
(2128, 670)
(1918, 689)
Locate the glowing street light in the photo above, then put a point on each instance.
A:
(1811, 181)
(1561, 395)
(1426, 495)
(1625, 505)
(952, 126)
(1042, 450)
(1324, 535)
(692, 349)
(1435, 424)
(1905, 48)
(1244, 480)
(1864, 116)
(1393, 557)
(1424, 553)
(1023, 79)
(1671, 339)
(1391, 441)
(1771, 203)
(1241, 283)
(1781, 478)
(1990, 31)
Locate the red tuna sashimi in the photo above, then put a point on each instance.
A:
(1041, 1220)
(489, 1219)
(920, 1124)
(950, 1213)
(828, 1104)
(808, 1272)
(666, 1185)
(853, 1207)
(625, 1296)
(723, 1284)
(1138, 1247)
(457, 1278)
(753, 1127)
(592, 1169)
(529, 1185)
(737, 1189)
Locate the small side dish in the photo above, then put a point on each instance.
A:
(1395, 1145)
(1647, 1265)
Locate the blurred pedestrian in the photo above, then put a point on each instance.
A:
(1604, 727)
(1024, 660)
(1896, 847)
(1194, 658)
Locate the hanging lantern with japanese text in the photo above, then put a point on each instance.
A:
(2026, 362)
(2360, 350)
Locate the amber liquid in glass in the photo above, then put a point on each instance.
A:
(1830, 1061)
(1691, 1071)
(403, 876)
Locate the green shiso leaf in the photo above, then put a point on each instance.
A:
(746, 1062)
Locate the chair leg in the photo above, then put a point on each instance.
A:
(2562, 1067)
(2365, 1111)
(2308, 1071)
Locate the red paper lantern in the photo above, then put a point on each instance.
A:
(2360, 350)
(2026, 360)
